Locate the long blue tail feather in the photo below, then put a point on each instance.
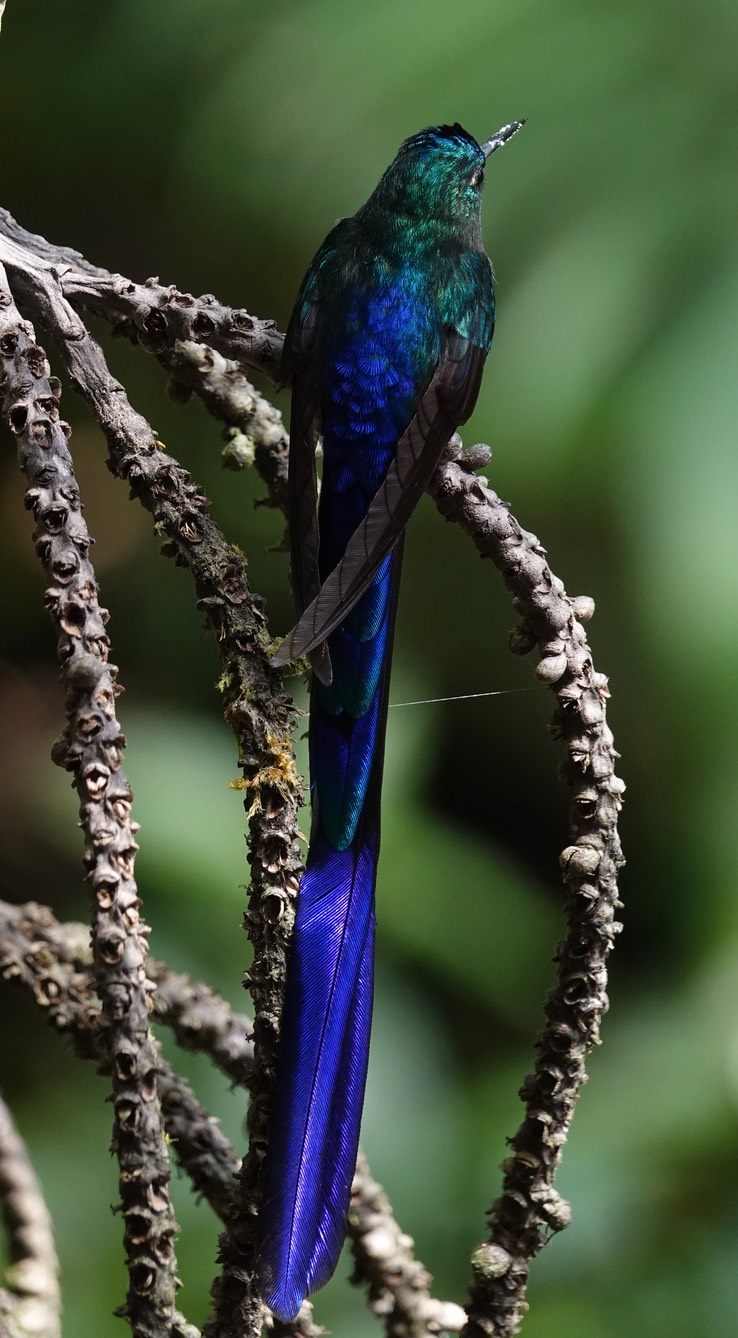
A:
(320, 1089)
(326, 1022)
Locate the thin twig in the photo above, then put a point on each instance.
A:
(32, 1305)
(91, 749)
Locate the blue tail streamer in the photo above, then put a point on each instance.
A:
(328, 1006)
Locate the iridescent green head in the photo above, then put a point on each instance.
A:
(437, 177)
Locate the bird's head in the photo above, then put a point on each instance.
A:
(437, 177)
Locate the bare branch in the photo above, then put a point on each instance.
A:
(530, 1209)
(178, 329)
(255, 433)
(202, 1021)
(53, 962)
(33, 1304)
(91, 749)
(35, 945)
(398, 1284)
(149, 313)
(198, 1142)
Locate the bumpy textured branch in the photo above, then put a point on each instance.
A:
(199, 1017)
(91, 749)
(32, 1304)
(254, 433)
(199, 1144)
(399, 1286)
(530, 1209)
(152, 314)
(203, 1022)
(257, 709)
(53, 962)
(204, 345)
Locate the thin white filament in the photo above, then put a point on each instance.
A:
(464, 697)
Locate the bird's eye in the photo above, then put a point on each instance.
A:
(478, 178)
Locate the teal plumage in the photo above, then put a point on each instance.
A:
(384, 352)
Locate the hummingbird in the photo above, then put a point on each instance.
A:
(384, 353)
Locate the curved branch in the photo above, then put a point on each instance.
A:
(254, 433)
(529, 1209)
(203, 1022)
(201, 343)
(54, 961)
(91, 749)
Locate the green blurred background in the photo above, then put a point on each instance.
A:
(214, 145)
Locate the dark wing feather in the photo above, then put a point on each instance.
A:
(447, 402)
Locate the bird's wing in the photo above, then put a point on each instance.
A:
(447, 401)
